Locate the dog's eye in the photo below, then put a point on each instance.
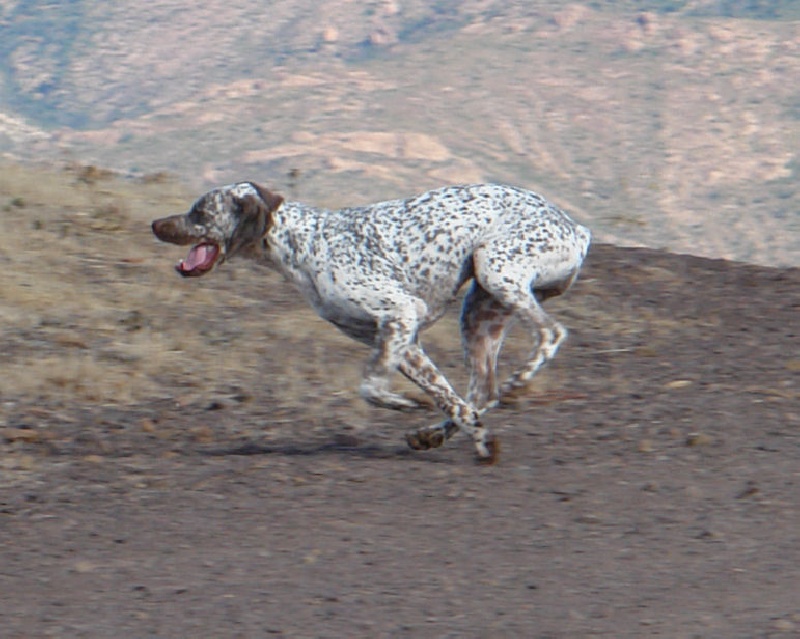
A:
(198, 216)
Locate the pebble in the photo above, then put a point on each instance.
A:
(698, 439)
(646, 446)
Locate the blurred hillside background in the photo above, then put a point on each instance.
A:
(667, 123)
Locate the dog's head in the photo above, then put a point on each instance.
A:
(224, 222)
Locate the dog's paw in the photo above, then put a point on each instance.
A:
(488, 452)
(512, 395)
(425, 439)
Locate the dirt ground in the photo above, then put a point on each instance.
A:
(648, 484)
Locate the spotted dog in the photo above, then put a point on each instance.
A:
(385, 272)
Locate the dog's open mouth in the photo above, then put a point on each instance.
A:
(201, 259)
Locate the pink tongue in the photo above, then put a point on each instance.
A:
(199, 256)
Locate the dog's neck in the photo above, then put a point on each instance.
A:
(291, 234)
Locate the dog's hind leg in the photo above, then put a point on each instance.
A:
(484, 324)
(548, 333)
(519, 288)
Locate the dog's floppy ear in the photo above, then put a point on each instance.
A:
(255, 218)
(272, 200)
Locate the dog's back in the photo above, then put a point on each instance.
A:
(426, 244)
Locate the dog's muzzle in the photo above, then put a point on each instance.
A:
(202, 256)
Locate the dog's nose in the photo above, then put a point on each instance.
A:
(175, 230)
(164, 229)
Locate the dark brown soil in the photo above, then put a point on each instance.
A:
(648, 486)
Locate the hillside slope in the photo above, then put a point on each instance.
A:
(675, 127)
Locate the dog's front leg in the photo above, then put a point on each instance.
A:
(391, 341)
(418, 367)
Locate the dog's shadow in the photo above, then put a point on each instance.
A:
(339, 446)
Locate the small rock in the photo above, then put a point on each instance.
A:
(750, 489)
(83, 567)
(678, 383)
(698, 439)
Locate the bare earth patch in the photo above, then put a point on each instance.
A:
(191, 458)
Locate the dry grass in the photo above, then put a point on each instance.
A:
(90, 306)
